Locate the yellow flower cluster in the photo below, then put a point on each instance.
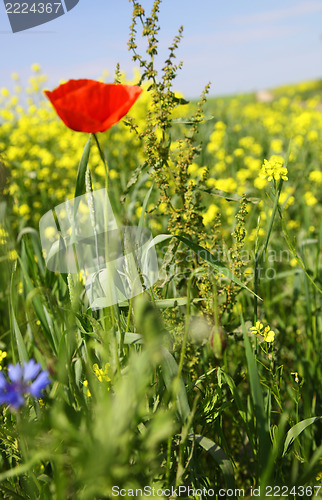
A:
(274, 169)
(101, 375)
(265, 332)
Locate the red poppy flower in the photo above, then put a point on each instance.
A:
(90, 106)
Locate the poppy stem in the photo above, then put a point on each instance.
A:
(103, 158)
(109, 313)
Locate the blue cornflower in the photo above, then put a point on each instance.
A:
(24, 379)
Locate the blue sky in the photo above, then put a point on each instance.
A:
(238, 45)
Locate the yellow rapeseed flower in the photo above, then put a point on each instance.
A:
(102, 375)
(257, 328)
(277, 145)
(310, 199)
(5, 92)
(88, 392)
(274, 169)
(316, 176)
(3, 355)
(266, 332)
(36, 68)
(269, 335)
(13, 255)
(211, 214)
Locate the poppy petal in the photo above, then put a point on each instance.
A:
(91, 106)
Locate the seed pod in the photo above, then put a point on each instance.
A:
(218, 341)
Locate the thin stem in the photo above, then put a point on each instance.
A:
(109, 317)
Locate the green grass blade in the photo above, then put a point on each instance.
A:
(180, 301)
(170, 372)
(258, 401)
(219, 457)
(145, 203)
(227, 196)
(17, 335)
(80, 180)
(242, 412)
(296, 430)
(311, 469)
(37, 302)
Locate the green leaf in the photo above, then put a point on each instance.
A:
(311, 469)
(219, 457)
(169, 373)
(258, 401)
(145, 203)
(180, 301)
(192, 120)
(242, 412)
(216, 264)
(36, 244)
(80, 180)
(130, 338)
(38, 304)
(180, 100)
(296, 430)
(225, 195)
(22, 351)
(133, 180)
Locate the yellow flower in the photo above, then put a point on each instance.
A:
(3, 355)
(260, 183)
(24, 210)
(277, 145)
(258, 328)
(316, 176)
(193, 169)
(273, 169)
(36, 68)
(312, 136)
(310, 199)
(211, 214)
(246, 142)
(319, 477)
(269, 335)
(5, 92)
(239, 152)
(13, 255)
(220, 125)
(88, 392)
(229, 184)
(100, 373)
